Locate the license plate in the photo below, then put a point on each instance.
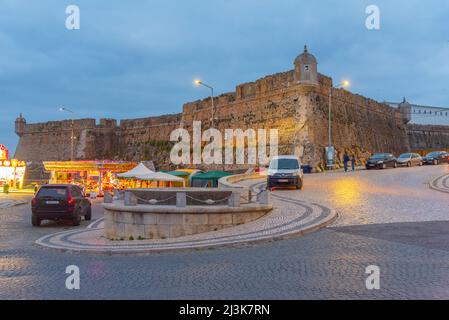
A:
(283, 180)
(52, 202)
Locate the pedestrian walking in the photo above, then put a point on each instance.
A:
(353, 162)
(345, 161)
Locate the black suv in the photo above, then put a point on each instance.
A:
(60, 202)
(381, 161)
(436, 157)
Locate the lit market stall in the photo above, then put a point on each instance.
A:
(96, 176)
(142, 177)
(12, 172)
(186, 174)
(162, 179)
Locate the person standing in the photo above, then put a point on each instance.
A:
(353, 162)
(345, 161)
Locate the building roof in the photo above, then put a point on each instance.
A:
(396, 104)
(97, 165)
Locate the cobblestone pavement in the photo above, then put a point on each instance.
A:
(379, 196)
(388, 218)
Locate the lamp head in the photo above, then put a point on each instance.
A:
(345, 83)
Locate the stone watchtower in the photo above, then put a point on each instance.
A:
(306, 70)
(20, 125)
(406, 110)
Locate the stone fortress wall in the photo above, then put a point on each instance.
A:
(295, 102)
(425, 138)
(300, 113)
(52, 140)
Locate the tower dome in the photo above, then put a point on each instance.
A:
(20, 125)
(306, 70)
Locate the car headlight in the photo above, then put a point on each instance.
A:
(380, 162)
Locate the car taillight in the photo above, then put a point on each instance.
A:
(71, 201)
(34, 202)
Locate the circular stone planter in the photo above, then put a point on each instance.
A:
(162, 222)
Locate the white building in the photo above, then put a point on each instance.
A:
(419, 114)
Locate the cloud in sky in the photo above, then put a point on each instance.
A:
(136, 59)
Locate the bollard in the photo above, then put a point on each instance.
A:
(234, 199)
(181, 199)
(264, 197)
(119, 195)
(107, 197)
(130, 199)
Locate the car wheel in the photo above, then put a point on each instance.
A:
(435, 162)
(35, 221)
(395, 164)
(299, 185)
(77, 220)
(88, 215)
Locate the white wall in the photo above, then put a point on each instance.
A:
(427, 114)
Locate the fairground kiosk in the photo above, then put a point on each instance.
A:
(12, 171)
(95, 176)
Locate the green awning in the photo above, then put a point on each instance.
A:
(178, 173)
(212, 176)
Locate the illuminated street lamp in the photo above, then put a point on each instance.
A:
(72, 137)
(201, 83)
(342, 84)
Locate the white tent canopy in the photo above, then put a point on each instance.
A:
(160, 176)
(137, 171)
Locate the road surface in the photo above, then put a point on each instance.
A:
(388, 218)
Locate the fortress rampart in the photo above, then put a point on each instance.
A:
(295, 102)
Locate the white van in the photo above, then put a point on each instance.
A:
(285, 171)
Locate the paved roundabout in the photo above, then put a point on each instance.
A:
(290, 217)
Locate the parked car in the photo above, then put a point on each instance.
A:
(285, 171)
(436, 157)
(410, 160)
(60, 202)
(381, 161)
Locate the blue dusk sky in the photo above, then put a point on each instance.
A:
(138, 58)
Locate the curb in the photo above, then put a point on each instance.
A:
(236, 244)
(16, 203)
(433, 184)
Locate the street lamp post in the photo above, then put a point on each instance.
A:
(198, 83)
(343, 84)
(72, 137)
